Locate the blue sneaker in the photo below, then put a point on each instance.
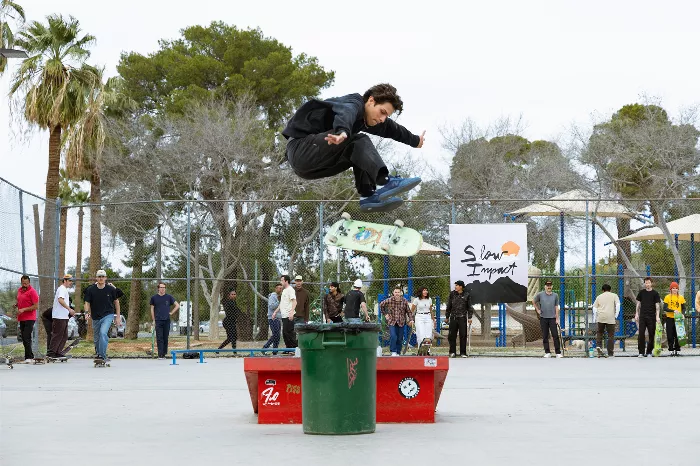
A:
(374, 204)
(397, 185)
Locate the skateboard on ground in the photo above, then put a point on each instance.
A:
(39, 361)
(424, 347)
(658, 339)
(100, 363)
(388, 240)
(680, 328)
(561, 341)
(51, 359)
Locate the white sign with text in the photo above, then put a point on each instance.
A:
(491, 259)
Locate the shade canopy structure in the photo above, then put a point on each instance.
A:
(574, 203)
(13, 53)
(683, 227)
(429, 249)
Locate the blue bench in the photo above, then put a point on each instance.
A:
(201, 352)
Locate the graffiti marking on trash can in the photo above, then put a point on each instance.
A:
(352, 372)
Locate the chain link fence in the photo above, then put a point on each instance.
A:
(203, 250)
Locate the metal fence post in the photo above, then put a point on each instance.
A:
(585, 276)
(675, 264)
(321, 248)
(189, 251)
(562, 284)
(21, 233)
(594, 290)
(621, 295)
(692, 287)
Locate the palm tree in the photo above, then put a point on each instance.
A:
(11, 10)
(86, 140)
(70, 193)
(51, 88)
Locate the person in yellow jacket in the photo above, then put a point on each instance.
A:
(673, 302)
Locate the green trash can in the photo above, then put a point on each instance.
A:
(338, 377)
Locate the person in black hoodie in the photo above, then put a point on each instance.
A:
(232, 312)
(324, 140)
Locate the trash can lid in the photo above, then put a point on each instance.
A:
(355, 327)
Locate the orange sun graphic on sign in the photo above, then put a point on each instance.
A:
(510, 249)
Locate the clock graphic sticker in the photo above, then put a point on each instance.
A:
(409, 388)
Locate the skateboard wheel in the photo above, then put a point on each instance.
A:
(332, 239)
(385, 247)
(398, 223)
(345, 216)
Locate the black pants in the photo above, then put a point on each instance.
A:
(47, 321)
(458, 324)
(26, 327)
(313, 158)
(290, 339)
(611, 337)
(231, 334)
(59, 336)
(646, 323)
(162, 332)
(672, 335)
(549, 325)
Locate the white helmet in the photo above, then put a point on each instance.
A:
(357, 284)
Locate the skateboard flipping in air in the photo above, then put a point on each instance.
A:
(388, 240)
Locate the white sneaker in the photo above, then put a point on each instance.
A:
(560, 355)
(547, 355)
(394, 354)
(640, 356)
(28, 361)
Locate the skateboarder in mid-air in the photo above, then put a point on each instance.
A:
(325, 140)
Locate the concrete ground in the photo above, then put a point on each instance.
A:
(493, 411)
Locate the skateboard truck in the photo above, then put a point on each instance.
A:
(342, 229)
(390, 238)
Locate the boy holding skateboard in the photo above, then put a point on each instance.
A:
(647, 316)
(324, 140)
(673, 303)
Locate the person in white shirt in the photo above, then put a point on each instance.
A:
(60, 313)
(606, 309)
(422, 308)
(288, 303)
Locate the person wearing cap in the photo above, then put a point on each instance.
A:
(647, 317)
(606, 308)
(102, 304)
(333, 304)
(459, 312)
(354, 301)
(673, 303)
(547, 306)
(60, 314)
(25, 306)
(288, 303)
(301, 311)
(274, 319)
(397, 311)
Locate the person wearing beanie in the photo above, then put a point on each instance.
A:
(673, 302)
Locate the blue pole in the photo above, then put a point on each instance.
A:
(437, 314)
(675, 266)
(189, 252)
(562, 285)
(386, 275)
(410, 277)
(593, 271)
(648, 270)
(692, 286)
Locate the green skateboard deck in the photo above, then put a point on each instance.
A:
(680, 328)
(658, 339)
(388, 240)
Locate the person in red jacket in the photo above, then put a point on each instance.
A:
(27, 302)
